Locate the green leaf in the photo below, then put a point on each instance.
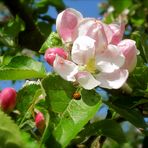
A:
(26, 99)
(137, 21)
(45, 28)
(52, 41)
(14, 27)
(141, 44)
(139, 78)
(58, 4)
(132, 115)
(5, 60)
(10, 136)
(22, 67)
(70, 114)
(108, 128)
(10, 31)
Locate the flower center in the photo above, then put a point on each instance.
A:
(91, 66)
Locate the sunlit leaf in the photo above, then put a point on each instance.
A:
(52, 41)
(70, 114)
(22, 67)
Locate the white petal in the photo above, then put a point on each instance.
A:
(109, 60)
(83, 49)
(86, 80)
(94, 29)
(66, 69)
(113, 80)
(85, 25)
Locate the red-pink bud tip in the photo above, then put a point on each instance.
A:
(40, 121)
(51, 53)
(7, 99)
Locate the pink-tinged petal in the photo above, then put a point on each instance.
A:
(114, 32)
(85, 25)
(66, 24)
(66, 69)
(109, 60)
(108, 32)
(113, 80)
(94, 29)
(86, 80)
(118, 31)
(83, 50)
(129, 50)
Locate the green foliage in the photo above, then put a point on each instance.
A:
(21, 67)
(72, 114)
(67, 118)
(10, 31)
(52, 41)
(119, 6)
(57, 3)
(132, 115)
(12, 137)
(139, 79)
(108, 128)
(26, 100)
(45, 28)
(13, 27)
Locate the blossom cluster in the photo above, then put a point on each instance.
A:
(94, 54)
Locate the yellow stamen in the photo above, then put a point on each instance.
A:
(90, 66)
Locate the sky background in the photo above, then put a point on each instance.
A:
(88, 8)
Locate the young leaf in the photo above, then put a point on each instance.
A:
(22, 67)
(12, 137)
(72, 114)
(52, 41)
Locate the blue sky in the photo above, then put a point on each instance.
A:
(89, 8)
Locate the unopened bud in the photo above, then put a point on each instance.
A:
(7, 99)
(40, 121)
(51, 53)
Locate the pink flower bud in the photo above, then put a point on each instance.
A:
(40, 121)
(7, 99)
(129, 50)
(51, 53)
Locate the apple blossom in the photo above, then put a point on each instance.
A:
(40, 121)
(129, 50)
(66, 24)
(50, 54)
(98, 56)
(7, 99)
(91, 68)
